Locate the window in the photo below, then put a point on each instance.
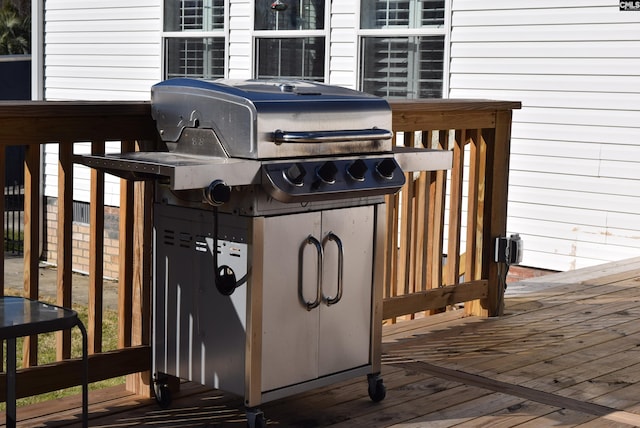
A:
(402, 48)
(290, 39)
(194, 40)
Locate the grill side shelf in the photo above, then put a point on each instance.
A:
(413, 159)
(184, 172)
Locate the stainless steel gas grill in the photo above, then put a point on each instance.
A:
(269, 231)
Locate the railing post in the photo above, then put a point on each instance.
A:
(141, 383)
(31, 241)
(498, 144)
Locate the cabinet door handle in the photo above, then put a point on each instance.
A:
(333, 237)
(315, 303)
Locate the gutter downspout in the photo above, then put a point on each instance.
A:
(37, 92)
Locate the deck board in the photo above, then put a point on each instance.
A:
(566, 353)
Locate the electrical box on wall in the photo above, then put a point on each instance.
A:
(509, 250)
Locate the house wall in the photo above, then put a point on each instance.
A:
(574, 64)
(574, 192)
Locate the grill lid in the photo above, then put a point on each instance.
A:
(266, 119)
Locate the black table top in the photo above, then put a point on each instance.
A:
(24, 317)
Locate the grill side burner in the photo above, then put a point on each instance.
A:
(269, 232)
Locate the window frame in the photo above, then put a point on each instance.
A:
(402, 31)
(222, 33)
(292, 34)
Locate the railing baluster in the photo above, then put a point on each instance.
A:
(455, 209)
(406, 223)
(65, 241)
(31, 241)
(125, 255)
(96, 256)
(473, 205)
(435, 240)
(421, 226)
(3, 163)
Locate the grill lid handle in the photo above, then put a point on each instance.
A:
(280, 136)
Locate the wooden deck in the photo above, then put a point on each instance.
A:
(566, 353)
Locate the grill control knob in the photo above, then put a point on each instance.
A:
(295, 174)
(217, 193)
(386, 167)
(327, 172)
(357, 170)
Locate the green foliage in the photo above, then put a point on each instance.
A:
(15, 31)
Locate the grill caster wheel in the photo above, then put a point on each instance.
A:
(163, 395)
(255, 418)
(377, 390)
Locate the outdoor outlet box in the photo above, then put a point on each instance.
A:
(509, 250)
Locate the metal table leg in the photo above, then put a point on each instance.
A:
(85, 376)
(11, 383)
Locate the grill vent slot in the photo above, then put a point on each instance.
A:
(185, 240)
(169, 237)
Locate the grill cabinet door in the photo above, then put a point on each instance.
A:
(345, 327)
(301, 344)
(289, 331)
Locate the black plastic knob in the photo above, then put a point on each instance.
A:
(386, 167)
(217, 193)
(327, 172)
(357, 170)
(295, 174)
(226, 280)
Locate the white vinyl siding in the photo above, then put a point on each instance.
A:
(343, 51)
(240, 39)
(98, 50)
(574, 190)
(102, 49)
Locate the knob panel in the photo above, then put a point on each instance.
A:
(333, 178)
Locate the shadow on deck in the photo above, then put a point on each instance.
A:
(567, 352)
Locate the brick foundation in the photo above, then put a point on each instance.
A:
(520, 273)
(80, 245)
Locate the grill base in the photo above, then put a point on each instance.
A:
(262, 342)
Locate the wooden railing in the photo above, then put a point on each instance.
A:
(433, 209)
(416, 278)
